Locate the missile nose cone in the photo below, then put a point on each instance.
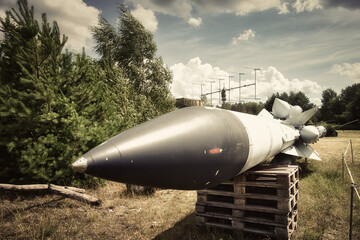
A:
(191, 148)
(80, 165)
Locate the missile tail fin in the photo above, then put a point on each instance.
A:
(301, 118)
(302, 150)
(266, 114)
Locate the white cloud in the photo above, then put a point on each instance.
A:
(347, 69)
(188, 77)
(242, 7)
(2, 13)
(179, 8)
(306, 5)
(283, 8)
(245, 36)
(185, 8)
(316, 101)
(194, 72)
(272, 81)
(196, 22)
(146, 17)
(73, 17)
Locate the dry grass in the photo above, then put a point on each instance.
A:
(169, 214)
(324, 204)
(120, 216)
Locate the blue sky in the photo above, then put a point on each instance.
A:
(298, 45)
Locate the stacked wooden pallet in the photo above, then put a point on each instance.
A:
(262, 200)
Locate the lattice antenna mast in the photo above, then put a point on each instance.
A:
(255, 70)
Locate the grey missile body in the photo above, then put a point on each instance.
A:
(191, 148)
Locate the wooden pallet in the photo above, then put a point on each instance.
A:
(262, 201)
(277, 181)
(249, 225)
(257, 214)
(280, 175)
(249, 201)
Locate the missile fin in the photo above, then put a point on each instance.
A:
(300, 119)
(280, 108)
(266, 114)
(302, 150)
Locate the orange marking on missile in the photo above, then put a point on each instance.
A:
(215, 151)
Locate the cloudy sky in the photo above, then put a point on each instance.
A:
(297, 45)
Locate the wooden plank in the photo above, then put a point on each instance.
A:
(282, 232)
(216, 192)
(234, 196)
(277, 217)
(265, 184)
(282, 219)
(271, 167)
(239, 189)
(270, 172)
(250, 208)
(212, 216)
(277, 172)
(269, 201)
(271, 191)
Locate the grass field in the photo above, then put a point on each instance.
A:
(324, 206)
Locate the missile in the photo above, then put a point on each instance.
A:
(200, 147)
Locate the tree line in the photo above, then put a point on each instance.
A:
(336, 109)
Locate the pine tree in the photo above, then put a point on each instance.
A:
(107, 39)
(54, 106)
(24, 93)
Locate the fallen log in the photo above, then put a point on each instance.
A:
(75, 189)
(75, 195)
(30, 187)
(70, 192)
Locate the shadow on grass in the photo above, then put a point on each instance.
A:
(17, 210)
(305, 169)
(13, 195)
(186, 229)
(132, 194)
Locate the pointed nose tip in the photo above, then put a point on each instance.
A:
(80, 165)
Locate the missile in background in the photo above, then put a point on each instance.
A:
(199, 147)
